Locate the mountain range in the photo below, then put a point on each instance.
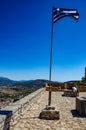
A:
(8, 82)
(5, 81)
(23, 83)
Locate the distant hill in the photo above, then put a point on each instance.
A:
(24, 83)
(6, 82)
(72, 81)
(38, 83)
(33, 84)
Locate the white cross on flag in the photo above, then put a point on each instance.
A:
(59, 13)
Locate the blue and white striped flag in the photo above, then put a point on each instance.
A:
(59, 13)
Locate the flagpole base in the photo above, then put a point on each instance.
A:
(49, 113)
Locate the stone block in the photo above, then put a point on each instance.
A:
(81, 105)
(49, 113)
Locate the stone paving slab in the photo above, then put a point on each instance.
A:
(69, 118)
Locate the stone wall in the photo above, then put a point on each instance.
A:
(55, 86)
(81, 86)
(11, 114)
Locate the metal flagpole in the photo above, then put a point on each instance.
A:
(50, 112)
(51, 45)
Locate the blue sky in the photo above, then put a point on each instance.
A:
(25, 34)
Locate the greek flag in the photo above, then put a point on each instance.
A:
(59, 13)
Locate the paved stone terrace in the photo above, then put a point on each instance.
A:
(69, 119)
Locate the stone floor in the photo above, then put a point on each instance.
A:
(69, 118)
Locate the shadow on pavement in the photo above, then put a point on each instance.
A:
(76, 114)
(7, 119)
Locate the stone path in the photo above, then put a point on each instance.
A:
(69, 119)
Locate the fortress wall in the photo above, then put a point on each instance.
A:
(81, 86)
(11, 114)
(55, 86)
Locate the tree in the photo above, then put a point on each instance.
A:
(83, 79)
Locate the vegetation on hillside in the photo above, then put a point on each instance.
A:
(6, 82)
(17, 90)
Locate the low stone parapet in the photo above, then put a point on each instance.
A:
(11, 114)
(82, 88)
